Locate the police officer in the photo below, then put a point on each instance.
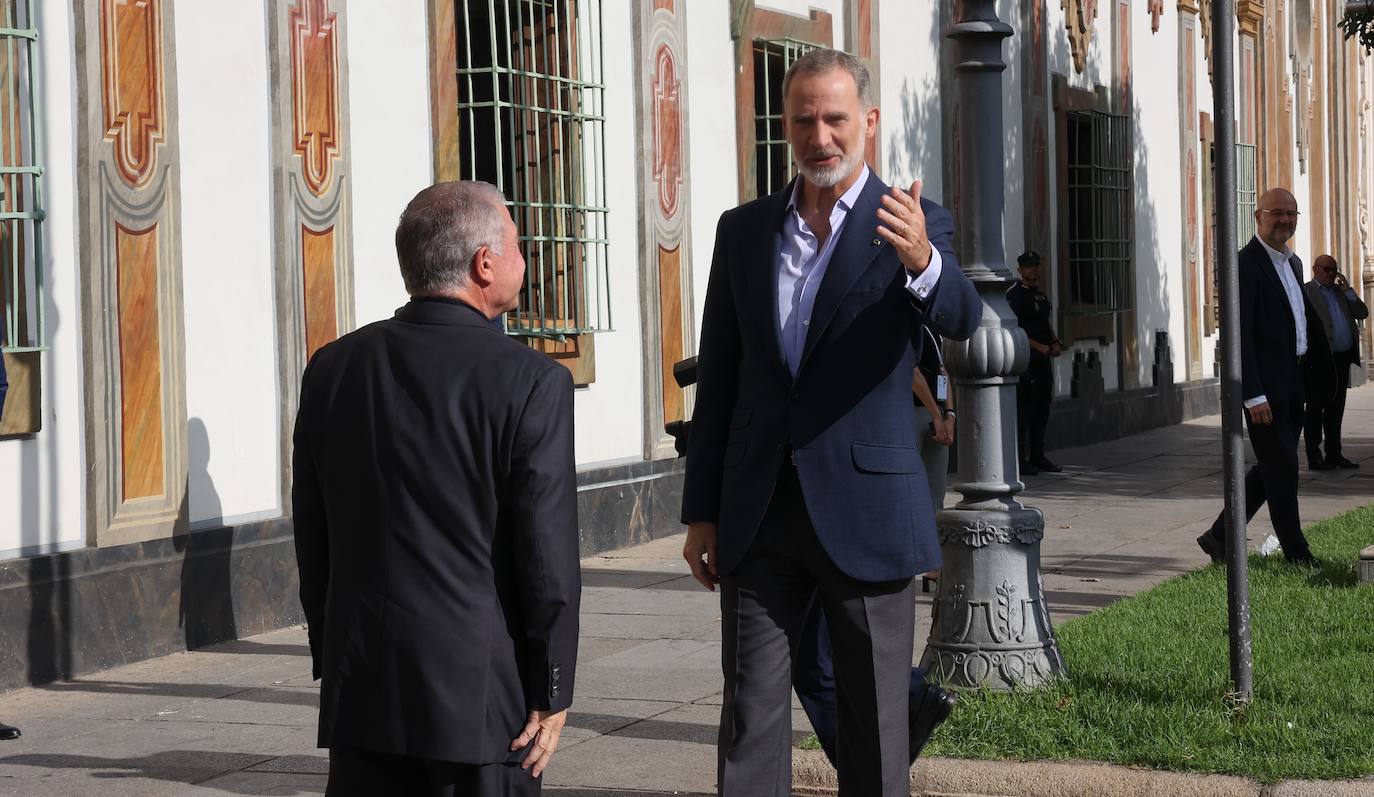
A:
(1036, 390)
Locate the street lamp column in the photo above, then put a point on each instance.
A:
(991, 627)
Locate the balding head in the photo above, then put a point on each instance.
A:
(441, 230)
(1325, 269)
(1276, 217)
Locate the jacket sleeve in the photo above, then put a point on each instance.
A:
(309, 527)
(543, 511)
(1251, 385)
(953, 309)
(1358, 310)
(717, 376)
(4, 384)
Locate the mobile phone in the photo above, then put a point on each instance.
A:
(941, 387)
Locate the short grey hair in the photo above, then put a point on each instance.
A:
(442, 228)
(822, 60)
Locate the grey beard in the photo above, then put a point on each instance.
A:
(825, 178)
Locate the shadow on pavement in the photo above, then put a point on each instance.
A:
(259, 694)
(173, 766)
(247, 647)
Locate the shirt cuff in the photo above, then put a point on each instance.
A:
(921, 286)
(1256, 401)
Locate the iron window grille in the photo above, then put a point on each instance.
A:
(531, 118)
(1247, 193)
(21, 199)
(773, 162)
(1099, 212)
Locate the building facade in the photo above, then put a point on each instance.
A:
(196, 196)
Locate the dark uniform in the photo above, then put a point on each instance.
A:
(1036, 389)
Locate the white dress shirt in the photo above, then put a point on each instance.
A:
(802, 263)
(1293, 290)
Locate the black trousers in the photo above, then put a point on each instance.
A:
(364, 773)
(1274, 478)
(764, 603)
(1034, 393)
(1323, 419)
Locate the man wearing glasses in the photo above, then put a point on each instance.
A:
(1338, 307)
(1282, 346)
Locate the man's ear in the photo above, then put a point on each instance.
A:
(871, 122)
(480, 269)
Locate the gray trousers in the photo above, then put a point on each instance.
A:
(764, 602)
(934, 458)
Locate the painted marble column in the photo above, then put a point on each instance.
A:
(312, 245)
(1192, 166)
(1035, 120)
(130, 245)
(666, 304)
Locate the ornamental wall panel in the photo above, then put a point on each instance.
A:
(1035, 119)
(312, 244)
(666, 302)
(1193, 162)
(134, 343)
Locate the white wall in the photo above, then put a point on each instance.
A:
(610, 412)
(389, 130)
(910, 131)
(42, 494)
(227, 269)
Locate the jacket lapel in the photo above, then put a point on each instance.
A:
(853, 253)
(759, 261)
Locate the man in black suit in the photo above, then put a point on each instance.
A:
(1338, 307)
(803, 472)
(1282, 345)
(436, 523)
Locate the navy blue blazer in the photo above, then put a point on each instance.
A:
(847, 414)
(1268, 341)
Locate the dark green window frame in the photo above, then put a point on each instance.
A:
(1100, 213)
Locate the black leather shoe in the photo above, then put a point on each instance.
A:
(1307, 560)
(8, 732)
(1317, 463)
(1341, 462)
(1044, 465)
(1212, 548)
(935, 706)
(1028, 469)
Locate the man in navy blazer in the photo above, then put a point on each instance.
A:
(1282, 346)
(435, 513)
(803, 471)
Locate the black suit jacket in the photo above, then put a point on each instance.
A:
(847, 414)
(436, 534)
(1268, 339)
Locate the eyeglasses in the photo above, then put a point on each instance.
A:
(1282, 214)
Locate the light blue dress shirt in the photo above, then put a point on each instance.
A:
(802, 263)
(1340, 325)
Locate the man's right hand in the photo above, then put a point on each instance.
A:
(1261, 414)
(700, 552)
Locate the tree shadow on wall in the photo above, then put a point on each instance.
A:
(206, 612)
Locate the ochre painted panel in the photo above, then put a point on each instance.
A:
(670, 327)
(131, 68)
(140, 362)
(315, 91)
(321, 311)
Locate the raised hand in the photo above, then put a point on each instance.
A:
(903, 224)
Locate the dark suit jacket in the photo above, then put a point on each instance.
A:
(847, 414)
(4, 384)
(436, 534)
(1355, 310)
(1268, 339)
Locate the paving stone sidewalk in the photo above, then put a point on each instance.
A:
(239, 718)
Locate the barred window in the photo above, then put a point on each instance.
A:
(531, 118)
(1099, 212)
(21, 168)
(772, 57)
(1247, 193)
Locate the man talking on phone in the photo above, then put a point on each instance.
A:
(1338, 307)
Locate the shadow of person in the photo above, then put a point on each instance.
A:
(206, 611)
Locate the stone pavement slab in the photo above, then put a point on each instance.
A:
(239, 718)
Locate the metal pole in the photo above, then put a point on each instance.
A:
(1233, 453)
(990, 627)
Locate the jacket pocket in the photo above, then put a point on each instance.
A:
(885, 459)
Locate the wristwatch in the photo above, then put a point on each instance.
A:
(948, 413)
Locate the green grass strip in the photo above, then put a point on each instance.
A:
(1149, 677)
